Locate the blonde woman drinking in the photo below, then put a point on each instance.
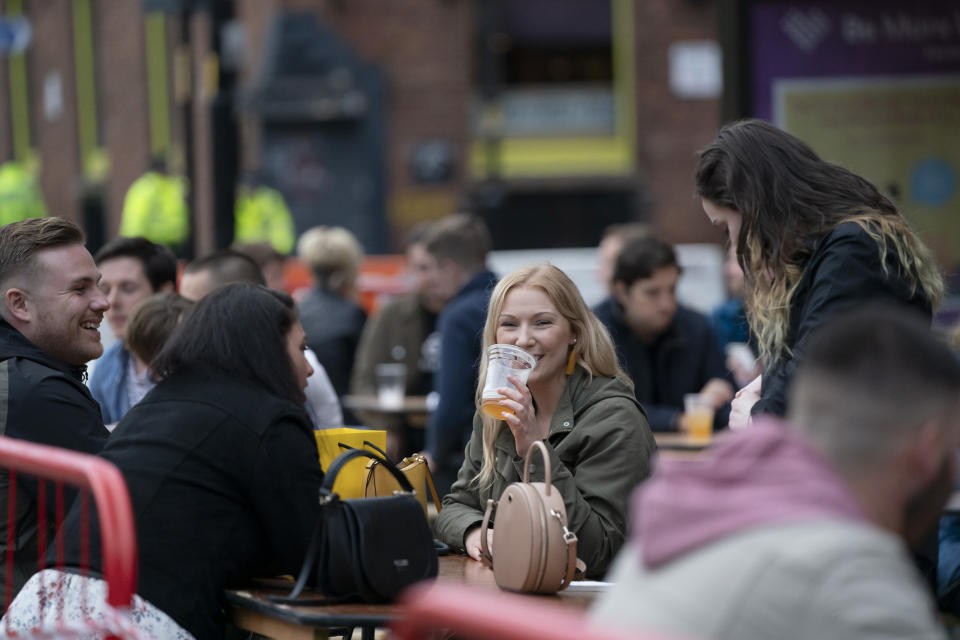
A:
(577, 400)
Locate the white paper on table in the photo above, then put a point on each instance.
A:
(589, 585)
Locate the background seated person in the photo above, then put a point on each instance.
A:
(150, 326)
(577, 400)
(458, 245)
(800, 530)
(331, 317)
(667, 349)
(404, 330)
(221, 464)
(132, 270)
(219, 268)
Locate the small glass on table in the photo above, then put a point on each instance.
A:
(698, 416)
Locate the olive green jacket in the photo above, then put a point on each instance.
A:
(600, 448)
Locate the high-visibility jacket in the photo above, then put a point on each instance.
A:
(19, 196)
(261, 215)
(155, 208)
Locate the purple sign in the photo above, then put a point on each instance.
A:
(850, 38)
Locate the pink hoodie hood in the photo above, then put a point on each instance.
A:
(762, 475)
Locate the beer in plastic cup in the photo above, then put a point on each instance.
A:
(698, 414)
(391, 383)
(503, 360)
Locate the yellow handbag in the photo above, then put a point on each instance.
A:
(378, 481)
(332, 442)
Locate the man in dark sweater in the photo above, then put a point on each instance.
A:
(49, 319)
(667, 349)
(459, 244)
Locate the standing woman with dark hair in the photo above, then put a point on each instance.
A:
(221, 465)
(812, 238)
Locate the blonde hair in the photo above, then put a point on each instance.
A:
(769, 299)
(593, 350)
(334, 256)
(790, 198)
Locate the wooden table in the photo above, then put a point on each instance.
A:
(252, 609)
(413, 409)
(672, 441)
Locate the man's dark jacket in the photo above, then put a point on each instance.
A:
(679, 361)
(43, 400)
(461, 336)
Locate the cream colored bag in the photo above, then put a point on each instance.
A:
(535, 552)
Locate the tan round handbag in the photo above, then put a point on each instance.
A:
(536, 553)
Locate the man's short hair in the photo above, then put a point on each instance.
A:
(159, 264)
(417, 234)
(462, 238)
(21, 241)
(227, 266)
(641, 257)
(869, 379)
(627, 231)
(262, 253)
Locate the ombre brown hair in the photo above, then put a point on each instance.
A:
(789, 200)
(593, 351)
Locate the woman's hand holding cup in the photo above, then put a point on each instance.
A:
(523, 419)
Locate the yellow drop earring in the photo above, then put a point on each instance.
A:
(572, 358)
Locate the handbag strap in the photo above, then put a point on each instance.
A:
(378, 450)
(485, 554)
(308, 563)
(571, 539)
(538, 444)
(326, 489)
(432, 487)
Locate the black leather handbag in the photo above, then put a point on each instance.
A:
(366, 549)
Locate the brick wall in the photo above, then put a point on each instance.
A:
(670, 130)
(56, 131)
(122, 100)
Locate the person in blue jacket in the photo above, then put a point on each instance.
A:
(132, 270)
(459, 244)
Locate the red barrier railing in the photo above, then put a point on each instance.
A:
(93, 476)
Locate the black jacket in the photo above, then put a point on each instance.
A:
(45, 401)
(333, 325)
(843, 271)
(224, 480)
(680, 361)
(460, 326)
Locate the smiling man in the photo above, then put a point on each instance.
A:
(133, 270)
(667, 349)
(49, 329)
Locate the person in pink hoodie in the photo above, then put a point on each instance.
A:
(800, 529)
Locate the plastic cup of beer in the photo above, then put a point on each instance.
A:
(391, 383)
(503, 360)
(698, 414)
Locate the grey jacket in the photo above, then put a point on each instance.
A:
(600, 448)
(823, 579)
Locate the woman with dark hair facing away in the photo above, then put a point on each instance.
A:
(577, 400)
(812, 239)
(221, 465)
